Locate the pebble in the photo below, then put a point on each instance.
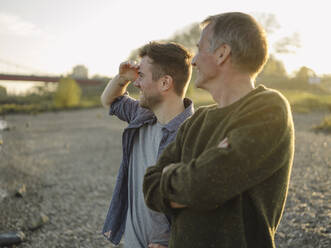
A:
(11, 238)
(83, 179)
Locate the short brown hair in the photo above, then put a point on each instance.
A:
(247, 39)
(169, 59)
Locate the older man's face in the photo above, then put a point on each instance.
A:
(205, 59)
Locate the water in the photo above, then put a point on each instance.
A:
(20, 87)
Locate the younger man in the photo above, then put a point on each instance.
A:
(162, 77)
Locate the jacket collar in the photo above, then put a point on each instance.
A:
(146, 116)
(173, 125)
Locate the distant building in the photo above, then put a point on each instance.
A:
(314, 80)
(79, 71)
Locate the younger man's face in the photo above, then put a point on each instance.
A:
(150, 95)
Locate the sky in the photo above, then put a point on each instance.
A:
(52, 36)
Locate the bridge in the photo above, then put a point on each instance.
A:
(10, 71)
(47, 79)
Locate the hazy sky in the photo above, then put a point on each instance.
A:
(55, 35)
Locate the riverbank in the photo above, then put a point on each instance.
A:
(68, 163)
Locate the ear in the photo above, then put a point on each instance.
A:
(222, 53)
(166, 83)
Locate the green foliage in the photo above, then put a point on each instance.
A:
(188, 37)
(134, 55)
(3, 91)
(285, 44)
(201, 98)
(304, 73)
(42, 100)
(305, 101)
(67, 94)
(274, 76)
(300, 101)
(273, 68)
(93, 90)
(25, 108)
(288, 44)
(268, 21)
(32, 98)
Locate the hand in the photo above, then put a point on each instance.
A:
(129, 71)
(177, 205)
(224, 143)
(173, 204)
(156, 246)
(167, 167)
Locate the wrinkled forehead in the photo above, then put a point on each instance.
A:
(145, 63)
(206, 36)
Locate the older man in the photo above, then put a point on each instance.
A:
(224, 180)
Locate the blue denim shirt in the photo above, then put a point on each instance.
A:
(128, 109)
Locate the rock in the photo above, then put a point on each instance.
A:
(11, 238)
(281, 235)
(21, 191)
(38, 222)
(4, 126)
(3, 194)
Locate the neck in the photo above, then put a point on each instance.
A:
(169, 109)
(228, 90)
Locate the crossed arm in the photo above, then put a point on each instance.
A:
(220, 172)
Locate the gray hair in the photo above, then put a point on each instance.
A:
(247, 39)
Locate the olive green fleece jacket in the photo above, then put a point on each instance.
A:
(235, 195)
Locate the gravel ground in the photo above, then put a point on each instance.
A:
(68, 163)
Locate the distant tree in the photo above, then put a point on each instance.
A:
(286, 44)
(3, 91)
(304, 73)
(188, 37)
(100, 77)
(274, 68)
(273, 74)
(301, 80)
(326, 77)
(68, 93)
(79, 71)
(268, 21)
(326, 81)
(134, 55)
